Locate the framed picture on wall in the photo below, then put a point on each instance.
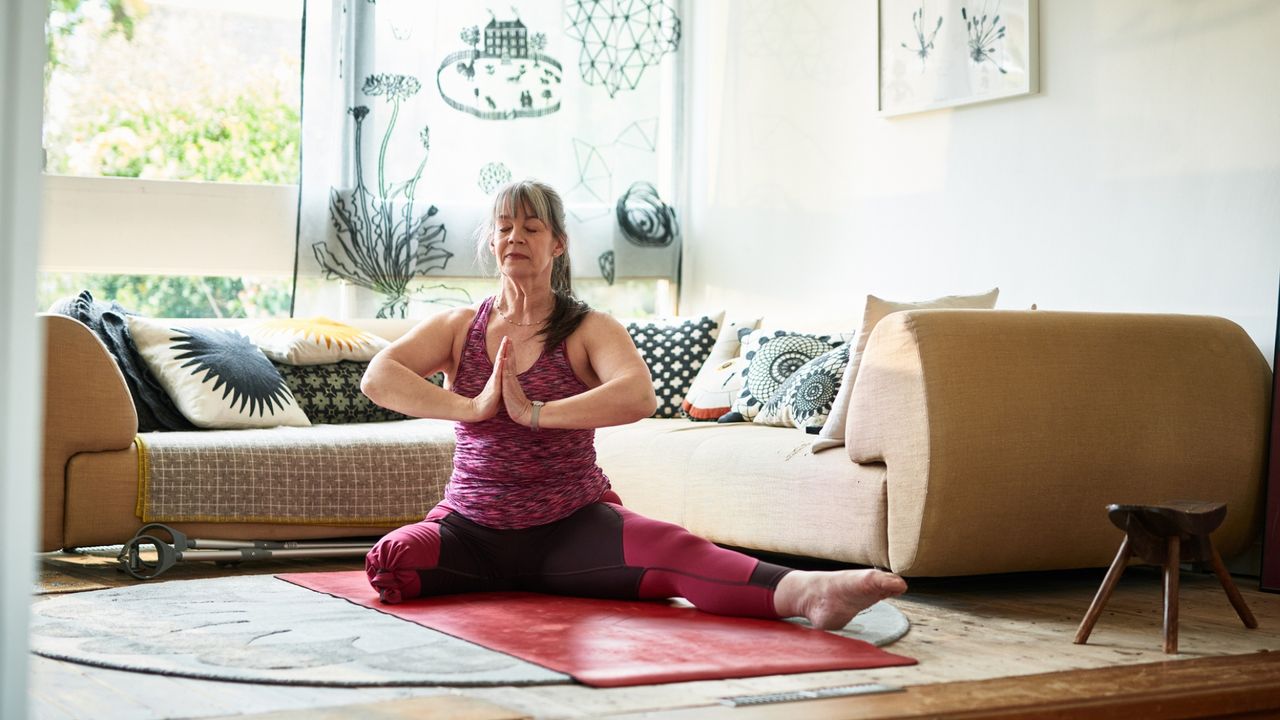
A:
(942, 53)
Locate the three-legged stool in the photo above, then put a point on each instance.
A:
(1167, 534)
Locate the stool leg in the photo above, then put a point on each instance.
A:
(1104, 593)
(1171, 571)
(1233, 593)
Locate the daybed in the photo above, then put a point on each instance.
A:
(978, 441)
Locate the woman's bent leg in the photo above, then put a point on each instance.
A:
(442, 555)
(394, 562)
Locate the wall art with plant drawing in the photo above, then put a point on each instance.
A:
(942, 53)
(384, 237)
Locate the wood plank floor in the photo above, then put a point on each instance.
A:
(1013, 633)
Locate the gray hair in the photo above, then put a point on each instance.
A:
(538, 200)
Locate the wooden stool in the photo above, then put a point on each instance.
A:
(1166, 534)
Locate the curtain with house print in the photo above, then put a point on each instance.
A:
(416, 111)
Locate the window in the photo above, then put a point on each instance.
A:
(171, 141)
(172, 134)
(174, 90)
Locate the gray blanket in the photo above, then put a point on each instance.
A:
(155, 410)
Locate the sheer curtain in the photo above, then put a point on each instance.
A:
(416, 111)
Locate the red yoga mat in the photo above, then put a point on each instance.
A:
(613, 643)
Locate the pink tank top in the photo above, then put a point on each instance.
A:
(505, 475)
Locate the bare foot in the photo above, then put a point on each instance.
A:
(829, 600)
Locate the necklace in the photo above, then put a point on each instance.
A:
(513, 322)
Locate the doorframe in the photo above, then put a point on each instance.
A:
(22, 56)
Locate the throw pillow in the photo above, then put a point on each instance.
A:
(804, 400)
(674, 349)
(217, 377)
(772, 357)
(315, 341)
(330, 393)
(833, 430)
(712, 393)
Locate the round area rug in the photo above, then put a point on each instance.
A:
(264, 630)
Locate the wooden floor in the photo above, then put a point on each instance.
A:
(987, 646)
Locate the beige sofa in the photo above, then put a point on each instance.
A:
(978, 442)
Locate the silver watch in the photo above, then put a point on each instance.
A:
(533, 416)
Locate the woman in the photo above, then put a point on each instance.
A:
(531, 373)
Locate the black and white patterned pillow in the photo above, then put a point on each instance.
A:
(215, 376)
(773, 356)
(330, 393)
(804, 400)
(674, 350)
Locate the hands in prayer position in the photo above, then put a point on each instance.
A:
(503, 389)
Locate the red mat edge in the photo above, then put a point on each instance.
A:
(609, 680)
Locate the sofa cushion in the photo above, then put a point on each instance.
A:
(216, 376)
(365, 473)
(804, 400)
(749, 486)
(313, 341)
(833, 430)
(674, 349)
(772, 356)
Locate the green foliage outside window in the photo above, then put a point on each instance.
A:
(140, 91)
(174, 295)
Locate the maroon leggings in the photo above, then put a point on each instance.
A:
(602, 550)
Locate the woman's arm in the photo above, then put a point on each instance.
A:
(625, 393)
(396, 377)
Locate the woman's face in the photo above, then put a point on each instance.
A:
(524, 245)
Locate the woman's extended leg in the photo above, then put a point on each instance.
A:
(606, 550)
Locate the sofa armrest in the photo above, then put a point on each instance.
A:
(87, 408)
(1005, 433)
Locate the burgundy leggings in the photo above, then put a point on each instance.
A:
(602, 550)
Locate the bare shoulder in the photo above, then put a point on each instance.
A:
(601, 326)
(449, 322)
(434, 343)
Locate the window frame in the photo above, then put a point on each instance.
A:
(167, 227)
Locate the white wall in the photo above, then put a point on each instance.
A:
(1144, 177)
(21, 60)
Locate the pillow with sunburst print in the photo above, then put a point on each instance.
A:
(313, 341)
(216, 376)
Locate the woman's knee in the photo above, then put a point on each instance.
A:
(394, 563)
(414, 547)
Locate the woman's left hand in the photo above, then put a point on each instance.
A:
(517, 403)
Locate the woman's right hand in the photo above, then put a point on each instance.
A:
(486, 404)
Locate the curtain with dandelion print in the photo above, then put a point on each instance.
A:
(416, 111)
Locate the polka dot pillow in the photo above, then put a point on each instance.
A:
(674, 349)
